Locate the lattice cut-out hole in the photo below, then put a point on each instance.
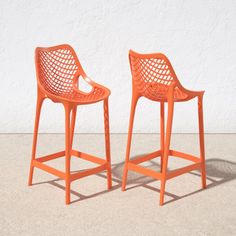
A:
(84, 86)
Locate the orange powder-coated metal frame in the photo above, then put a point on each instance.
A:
(58, 71)
(154, 78)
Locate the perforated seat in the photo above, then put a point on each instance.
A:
(58, 71)
(97, 94)
(159, 93)
(154, 78)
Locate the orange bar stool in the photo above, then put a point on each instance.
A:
(154, 78)
(58, 71)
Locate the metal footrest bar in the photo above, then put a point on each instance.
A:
(88, 157)
(184, 156)
(90, 171)
(146, 157)
(49, 169)
(103, 164)
(183, 170)
(144, 171)
(133, 164)
(51, 156)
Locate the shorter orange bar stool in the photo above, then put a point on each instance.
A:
(58, 71)
(154, 78)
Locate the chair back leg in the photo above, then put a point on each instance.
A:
(107, 142)
(162, 131)
(67, 151)
(201, 140)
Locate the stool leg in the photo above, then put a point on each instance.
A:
(162, 131)
(68, 151)
(131, 121)
(167, 146)
(40, 99)
(201, 140)
(107, 142)
(73, 118)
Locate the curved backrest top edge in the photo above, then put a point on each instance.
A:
(52, 48)
(147, 55)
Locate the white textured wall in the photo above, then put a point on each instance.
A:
(199, 37)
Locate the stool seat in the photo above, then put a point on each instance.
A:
(97, 93)
(159, 93)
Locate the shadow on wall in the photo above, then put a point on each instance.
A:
(219, 171)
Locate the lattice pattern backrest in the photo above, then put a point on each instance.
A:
(56, 69)
(151, 71)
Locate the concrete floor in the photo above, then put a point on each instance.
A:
(40, 209)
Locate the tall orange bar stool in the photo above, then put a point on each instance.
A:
(58, 71)
(154, 78)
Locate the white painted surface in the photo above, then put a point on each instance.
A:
(198, 37)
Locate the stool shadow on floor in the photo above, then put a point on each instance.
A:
(218, 172)
(56, 183)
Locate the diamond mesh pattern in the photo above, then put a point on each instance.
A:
(153, 76)
(56, 72)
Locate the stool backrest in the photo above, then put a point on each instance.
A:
(56, 68)
(150, 73)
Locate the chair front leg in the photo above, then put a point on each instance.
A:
(167, 143)
(201, 140)
(131, 122)
(68, 150)
(107, 142)
(40, 99)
